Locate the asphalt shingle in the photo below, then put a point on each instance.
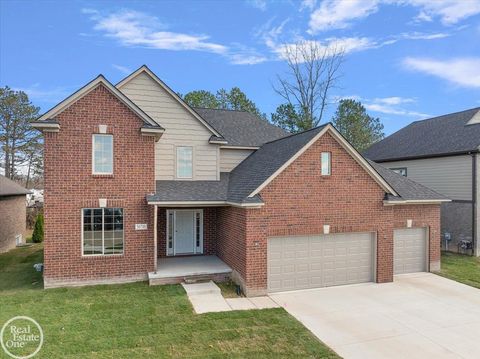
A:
(11, 188)
(436, 136)
(241, 128)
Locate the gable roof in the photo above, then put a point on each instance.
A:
(241, 187)
(442, 135)
(408, 190)
(99, 80)
(11, 188)
(262, 166)
(146, 70)
(241, 128)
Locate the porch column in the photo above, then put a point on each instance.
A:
(155, 237)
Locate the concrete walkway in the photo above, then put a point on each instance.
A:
(207, 297)
(419, 315)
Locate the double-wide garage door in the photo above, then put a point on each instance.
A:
(409, 250)
(301, 262)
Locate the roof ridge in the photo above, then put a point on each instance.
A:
(447, 114)
(220, 109)
(298, 133)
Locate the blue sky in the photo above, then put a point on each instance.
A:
(405, 59)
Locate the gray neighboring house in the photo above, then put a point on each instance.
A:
(442, 153)
(13, 213)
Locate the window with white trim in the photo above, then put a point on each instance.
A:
(102, 231)
(326, 163)
(102, 156)
(184, 162)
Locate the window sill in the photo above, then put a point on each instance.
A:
(97, 175)
(102, 256)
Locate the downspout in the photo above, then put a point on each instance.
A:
(474, 203)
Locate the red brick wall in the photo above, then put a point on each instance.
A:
(209, 230)
(231, 238)
(70, 186)
(300, 201)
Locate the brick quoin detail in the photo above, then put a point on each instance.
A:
(300, 201)
(70, 186)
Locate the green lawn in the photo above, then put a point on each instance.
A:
(462, 268)
(138, 321)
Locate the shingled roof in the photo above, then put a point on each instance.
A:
(11, 188)
(241, 128)
(263, 164)
(406, 189)
(443, 135)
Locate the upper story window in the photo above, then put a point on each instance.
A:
(184, 162)
(102, 154)
(401, 171)
(102, 231)
(326, 163)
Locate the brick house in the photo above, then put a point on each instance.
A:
(139, 185)
(13, 213)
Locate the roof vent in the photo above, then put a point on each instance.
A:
(475, 119)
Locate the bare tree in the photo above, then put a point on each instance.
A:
(313, 72)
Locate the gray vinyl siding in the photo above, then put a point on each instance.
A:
(231, 158)
(181, 129)
(450, 176)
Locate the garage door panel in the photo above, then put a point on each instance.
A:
(410, 250)
(318, 261)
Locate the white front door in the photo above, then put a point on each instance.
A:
(185, 229)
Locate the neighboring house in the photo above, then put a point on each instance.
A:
(140, 185)
(13, 215)
(443, 154)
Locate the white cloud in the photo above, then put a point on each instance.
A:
(460, 71)
(132, 28)
(52, 95)
(387, 105)
(394, 100)
(449, 11)
(391, 110)
(124, 70)
(258, 4)
(308, 4)
(339, 14)
(343, 44)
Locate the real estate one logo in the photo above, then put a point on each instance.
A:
(21, 337)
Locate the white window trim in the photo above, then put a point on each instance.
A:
(103, 235)
(93, 154)
(176, 163)
(197, 250)
(329, 164)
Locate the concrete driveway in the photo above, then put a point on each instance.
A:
(417, 316)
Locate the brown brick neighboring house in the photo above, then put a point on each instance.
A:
(137, 183)
(13, 213)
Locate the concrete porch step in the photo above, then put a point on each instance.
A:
(216, 277)
(201, 288)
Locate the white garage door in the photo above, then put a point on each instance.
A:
(410, 250)
(301, 262)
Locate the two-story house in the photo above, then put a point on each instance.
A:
(442, 153)
(139, 185)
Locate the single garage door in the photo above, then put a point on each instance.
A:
(410, 250)
(301, 262)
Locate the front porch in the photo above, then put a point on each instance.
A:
(172, 270)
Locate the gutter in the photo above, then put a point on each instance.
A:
(415, 201)
(419, 157)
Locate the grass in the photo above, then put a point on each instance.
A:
(229, 289)
(138, 321)
(462, 268)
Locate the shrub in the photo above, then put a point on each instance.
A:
(37, 236)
